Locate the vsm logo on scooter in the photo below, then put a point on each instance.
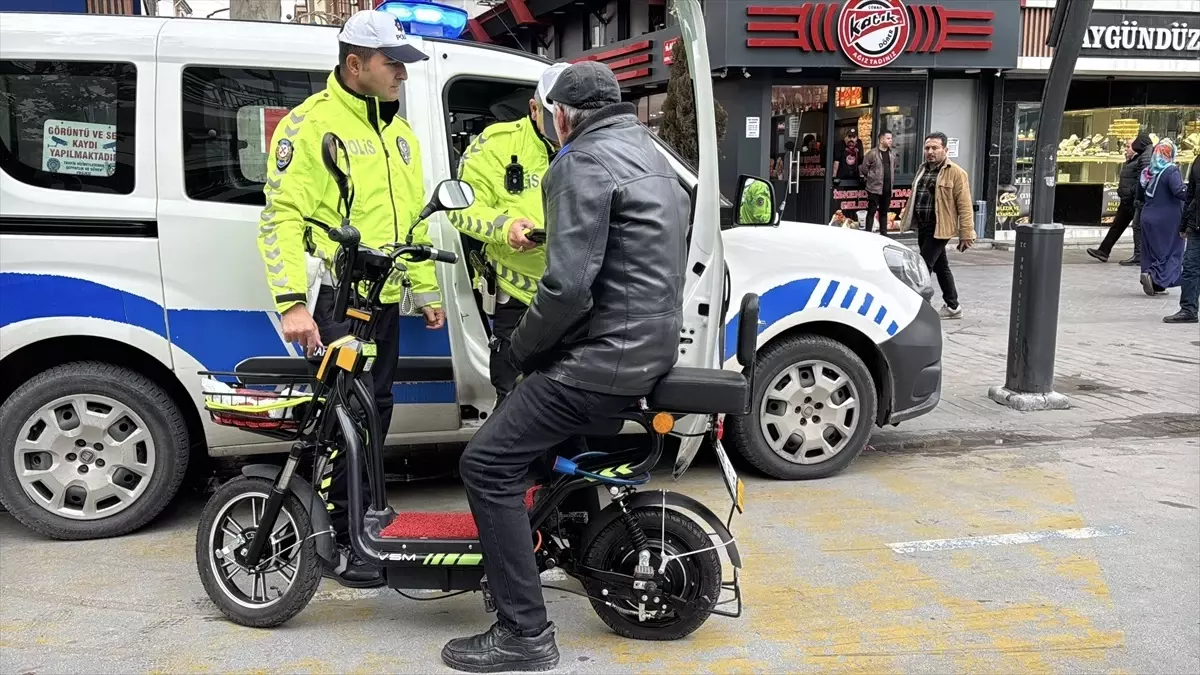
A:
(404, 557)
(873, 33)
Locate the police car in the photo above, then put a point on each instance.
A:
(132, 166)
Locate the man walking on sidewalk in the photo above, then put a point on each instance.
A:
(1128, 191)
(940, 208)
(878, 169)
(1189, 283)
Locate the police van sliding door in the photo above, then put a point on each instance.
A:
(223, 87)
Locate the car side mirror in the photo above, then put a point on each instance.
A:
(756, 202)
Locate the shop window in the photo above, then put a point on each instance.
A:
(1090, 153)
(69, 125)
(229, 116)
(899, 113)
(658, 14)
(799, 115)
(649, 110)
(623, 20)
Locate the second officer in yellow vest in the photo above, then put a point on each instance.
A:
(505, 166)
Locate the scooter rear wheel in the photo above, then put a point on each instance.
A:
(289, 571)
(696, 577)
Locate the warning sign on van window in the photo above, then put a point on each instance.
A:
(79, 148)
(271, 117)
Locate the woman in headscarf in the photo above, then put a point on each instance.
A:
(1162, 248)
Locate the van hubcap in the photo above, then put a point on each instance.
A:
(809, 412)
(84, 457)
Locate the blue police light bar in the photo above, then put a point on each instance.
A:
(428, 18)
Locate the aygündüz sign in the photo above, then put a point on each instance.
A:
(1167, 36)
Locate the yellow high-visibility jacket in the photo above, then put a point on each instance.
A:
(389, 191)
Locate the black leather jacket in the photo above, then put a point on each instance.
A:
(1143, 162)
(608, 310)
(1191, 211)
(1127, 184)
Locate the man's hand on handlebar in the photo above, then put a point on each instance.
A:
(435, 317)
(298, 326)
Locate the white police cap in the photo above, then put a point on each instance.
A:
(382, 31)
(546, 83)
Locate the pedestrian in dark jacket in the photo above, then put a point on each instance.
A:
(1189, 229)
(879, 173)
(1127, 191)
(1139, 197)
(595, 339)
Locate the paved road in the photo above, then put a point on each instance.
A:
(976, 539)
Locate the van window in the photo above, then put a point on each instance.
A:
(68, 125)
(229, 115)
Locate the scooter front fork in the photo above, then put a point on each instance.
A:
(252, 554)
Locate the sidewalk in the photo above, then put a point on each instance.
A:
(1127, 374)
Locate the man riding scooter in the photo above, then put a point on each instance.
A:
(506, 166)
(596, 338)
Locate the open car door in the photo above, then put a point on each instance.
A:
(703, 297)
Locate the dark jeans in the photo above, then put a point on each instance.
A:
(378, 381)
(535, 419)
(502, 373)
(933, 251)
(878, 203)
(1189, 282)
(1121, 221)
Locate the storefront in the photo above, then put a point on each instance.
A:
(794, 78)
(1137, 73)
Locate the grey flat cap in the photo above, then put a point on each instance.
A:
(586, 85)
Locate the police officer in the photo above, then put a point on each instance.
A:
(360, 105)
(505, 166)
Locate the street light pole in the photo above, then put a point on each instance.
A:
(1037, 265)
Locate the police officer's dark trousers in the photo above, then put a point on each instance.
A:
(378, 381)
(537, 418)
(502, 373)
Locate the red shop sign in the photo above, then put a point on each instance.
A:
(668, 50)
(871, 33)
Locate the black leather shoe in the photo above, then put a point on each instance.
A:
(1130, 262)
(501, 649)
(1098, 254)
(1181, 317)
(352, 571)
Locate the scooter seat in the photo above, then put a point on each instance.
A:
(700, 390)
(450, 525)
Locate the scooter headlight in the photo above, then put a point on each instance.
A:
(909, 268)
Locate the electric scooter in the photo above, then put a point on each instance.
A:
(648, 561)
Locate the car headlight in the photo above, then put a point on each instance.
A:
(909, 268)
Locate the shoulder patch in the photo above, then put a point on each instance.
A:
(405, 150)
(283, 154)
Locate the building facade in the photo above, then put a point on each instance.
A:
(794, 77)
(1138, 72)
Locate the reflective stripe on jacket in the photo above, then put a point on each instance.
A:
(484, 166)
(389, 191)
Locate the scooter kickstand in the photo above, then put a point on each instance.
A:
(489, 603)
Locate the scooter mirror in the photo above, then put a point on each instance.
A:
(452, 195)
(337, 163)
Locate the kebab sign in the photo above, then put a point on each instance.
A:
(79, 148)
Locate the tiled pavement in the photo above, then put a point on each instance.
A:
(1127, 374)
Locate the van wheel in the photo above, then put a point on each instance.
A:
(812, 409)
(90, 450)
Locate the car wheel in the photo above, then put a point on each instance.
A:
(812, 409)
(90, 450)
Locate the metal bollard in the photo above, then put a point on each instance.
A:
(1033, 316)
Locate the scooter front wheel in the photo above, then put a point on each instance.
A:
(692, 574)
(288, 572)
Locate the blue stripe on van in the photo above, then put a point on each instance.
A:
(217, 338)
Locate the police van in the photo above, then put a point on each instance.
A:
(133, 154)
